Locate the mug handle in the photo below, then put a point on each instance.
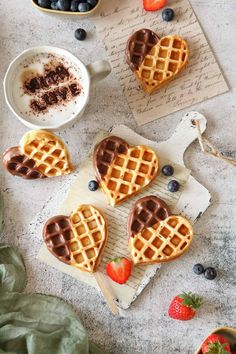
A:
(98, 70)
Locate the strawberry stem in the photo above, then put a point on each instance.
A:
(217, 348)
(191, 300)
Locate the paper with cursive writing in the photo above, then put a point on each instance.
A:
(202, 79)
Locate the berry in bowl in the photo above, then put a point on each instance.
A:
(67, 7)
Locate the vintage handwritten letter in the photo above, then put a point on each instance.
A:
(117, 244)
(202, 79)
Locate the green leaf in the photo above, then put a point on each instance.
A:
(191, 300)
(217, 348)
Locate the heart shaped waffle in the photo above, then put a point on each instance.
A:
(40, 154)
(123, 170)
(155, 235)
(156, 62)
(78, 240)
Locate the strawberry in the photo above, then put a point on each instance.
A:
(119, 270)
(215, 344)
(153, 5)
(183, 307)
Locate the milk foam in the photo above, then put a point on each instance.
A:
(35, 65)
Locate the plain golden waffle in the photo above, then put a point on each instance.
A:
(89, 237)
(161, 242)
(78, 240)
(123, 174)
(163, 62)
(48, 151)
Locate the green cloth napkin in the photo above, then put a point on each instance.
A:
(35, 323)
(12, 269)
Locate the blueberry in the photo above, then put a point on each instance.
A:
(93, 185)
(64, 5)
(168, 15)
(83, 7)
(54, 5)
(45, 3)
(167, 170)
(74, 5)
(80, 34)
(173, 186)
(198, 269)
(210, 273)
(92, 3)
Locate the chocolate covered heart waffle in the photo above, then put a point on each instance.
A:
(123, 170)
(146, 212)
(156, 61)
(40, 154)
(155, 235)
(78, 240)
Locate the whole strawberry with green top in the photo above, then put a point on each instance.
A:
(183, 307)
(215, 344)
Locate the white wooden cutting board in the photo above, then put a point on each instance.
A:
(191, 201)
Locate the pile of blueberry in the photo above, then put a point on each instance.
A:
(68, 5)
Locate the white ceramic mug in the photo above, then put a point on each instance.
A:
(91, 73)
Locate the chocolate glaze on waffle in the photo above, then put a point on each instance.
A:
(146, 212)
(20, 165)
(105, 152)
(57, 235)
(139, 44)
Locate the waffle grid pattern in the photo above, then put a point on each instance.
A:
(166, 59)
(162, 242)
(129, 172)
(57, 234)
(140, 44)
(148, 212)
(88, 238)
(22, 166)
(106, 152)
(49, 153)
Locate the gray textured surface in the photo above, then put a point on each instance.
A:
(145, 328)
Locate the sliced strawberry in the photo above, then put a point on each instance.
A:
(119, 270)
(215, 344)
(153, 5)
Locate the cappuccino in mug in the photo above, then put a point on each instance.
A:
(48, 86)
